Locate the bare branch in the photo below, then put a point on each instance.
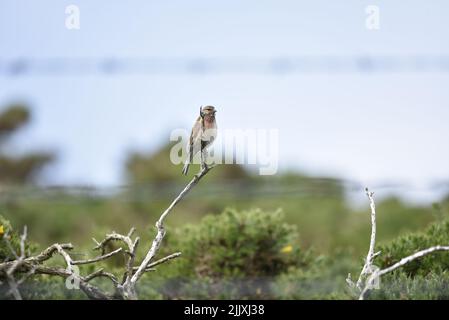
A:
(96, 259)
(367, 268)
(131, 250)
(48, 253)
(98, 244)
(23, 238)
(90, 290)
(377, 274)
(370, 274)
(130, 264)
(53, 271)
(114, 237)
(101, 273)
(65, 255)
(126, 289)
(27, 275)
(412, 257)
(8, 244)
(151, 266)
(160, 225)
(13, 284)
(163, 260)
(14, 289)
(130, 233)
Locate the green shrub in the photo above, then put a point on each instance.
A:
(434, 286)
(236, 254)
(44, 287)
(14, 239)
(255, 254)
(323, 278)
(436, 234)
(423, 278)
(247, 243)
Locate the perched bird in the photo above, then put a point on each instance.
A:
(203, 135)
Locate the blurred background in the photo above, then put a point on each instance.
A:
(86, 113)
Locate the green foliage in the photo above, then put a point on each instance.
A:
(239, 253)
(43, 287)
(18, 169)
(236, 254)
(225, 245)
(399, 286)
(9, 235)
(12, 236)
(316, 205)
(12, 118)
(23, 169)
(255, 254)
(424, 278)
(435, 263)
(323, 278)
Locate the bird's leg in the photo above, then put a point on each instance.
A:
(203, 159)
(202, 165)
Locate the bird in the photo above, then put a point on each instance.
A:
(203, 134)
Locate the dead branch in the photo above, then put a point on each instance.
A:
(163, 260)
(93, 260)
(32, 265)
(370, 275)
(126, 289)
(13, 284)
(368, 266)
(101, 273)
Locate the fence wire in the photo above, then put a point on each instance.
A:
(54, 66)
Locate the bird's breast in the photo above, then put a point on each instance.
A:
(210, 131)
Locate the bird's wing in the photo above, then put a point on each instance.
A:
(196, 131)
(195, 137)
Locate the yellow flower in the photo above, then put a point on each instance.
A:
(287, 249)
(2, 231)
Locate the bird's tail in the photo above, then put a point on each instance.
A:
(185, 169)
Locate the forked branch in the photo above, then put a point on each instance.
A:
(130, 286)
(370, 275)
(126, 289)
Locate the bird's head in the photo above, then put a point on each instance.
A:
(208, 112)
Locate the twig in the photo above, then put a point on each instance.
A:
(90, 290)
(125, 289)
(130, 264)
(160, 261)
(101, 273)
(163, 260)
(160, 226)
(131, 250)
(368, 266)
(369, 274)
(114, 237)
(13, 284)
(96, 259)
(377, 274)
(48, 253)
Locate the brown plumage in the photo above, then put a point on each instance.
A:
(203, 135)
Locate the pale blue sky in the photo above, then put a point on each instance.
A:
(370, 127)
